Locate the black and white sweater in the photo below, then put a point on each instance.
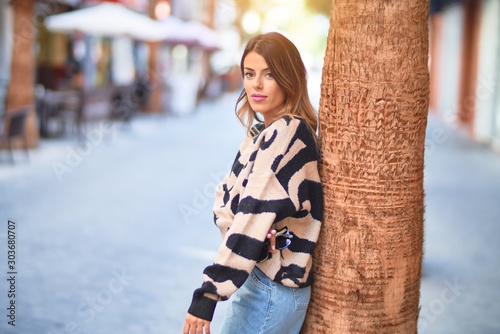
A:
(274, 182)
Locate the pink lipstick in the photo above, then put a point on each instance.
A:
(258, 97)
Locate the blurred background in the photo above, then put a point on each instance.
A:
(148, 56)
(117, 121)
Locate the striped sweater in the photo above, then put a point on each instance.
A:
(273, 183)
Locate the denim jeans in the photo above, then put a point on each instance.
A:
(262, 306)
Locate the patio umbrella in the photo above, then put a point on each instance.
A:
(207, 38)
(190, 33)
(107, 19)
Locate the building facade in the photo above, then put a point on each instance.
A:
(465, 67)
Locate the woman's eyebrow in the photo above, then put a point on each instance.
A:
(251, 69)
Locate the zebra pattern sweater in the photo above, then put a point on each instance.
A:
(273, 183)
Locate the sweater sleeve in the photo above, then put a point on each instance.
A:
(265, 200)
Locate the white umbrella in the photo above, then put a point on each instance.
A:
(192, 33)
(173, 31)
(107, 19)
(206, 37)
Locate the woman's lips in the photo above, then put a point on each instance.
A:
(258, 97)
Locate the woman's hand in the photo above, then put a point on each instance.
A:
(271, 235)
(194, 325)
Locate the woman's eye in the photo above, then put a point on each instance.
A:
(269, 75)
(248, 75)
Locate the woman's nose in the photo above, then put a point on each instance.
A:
(258, 83)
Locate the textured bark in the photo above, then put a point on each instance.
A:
(373, 115)
(21, 86)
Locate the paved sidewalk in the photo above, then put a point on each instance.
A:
(116, 241)
(113, 237)
(460, 287)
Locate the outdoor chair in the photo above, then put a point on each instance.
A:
(14, 127)
(57, 110)
(125, 102)
(95, 107)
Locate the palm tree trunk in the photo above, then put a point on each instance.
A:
(22, 80)
(373, 115)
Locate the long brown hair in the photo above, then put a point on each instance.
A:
(289, 71)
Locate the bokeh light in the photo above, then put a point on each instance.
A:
(163, 9)
(251, 22)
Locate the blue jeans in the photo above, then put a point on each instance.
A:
(262, 306)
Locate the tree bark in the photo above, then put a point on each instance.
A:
(22, 79)
(373, 115)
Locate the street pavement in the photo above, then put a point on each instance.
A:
(460, 287)
(112, 236)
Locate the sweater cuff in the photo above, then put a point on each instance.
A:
(202, 307)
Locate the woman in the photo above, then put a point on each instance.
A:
(273, 186)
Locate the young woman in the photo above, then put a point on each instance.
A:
(273, 186)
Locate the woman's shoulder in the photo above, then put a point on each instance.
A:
(292, 127)
(286, 131)
(284, 128)
(286, 124)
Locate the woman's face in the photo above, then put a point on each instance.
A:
(263, 92)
